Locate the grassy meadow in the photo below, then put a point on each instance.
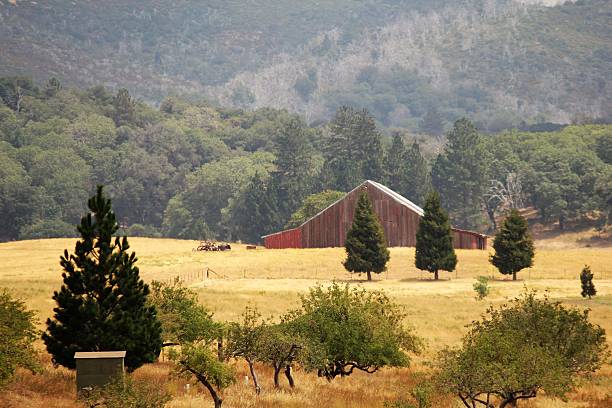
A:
(273, 279)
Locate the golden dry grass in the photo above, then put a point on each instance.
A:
(272, 280)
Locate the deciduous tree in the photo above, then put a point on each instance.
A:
(520, 349)
(346, 329)
(18, 334)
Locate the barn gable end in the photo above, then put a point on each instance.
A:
(399, 218)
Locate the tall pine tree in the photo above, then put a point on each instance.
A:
(124, 107)
(367, 145)
(102, 304)
(513, 245)
(460, 175)
(395, 164)
(417, 178)
(434, 239)
(293, 178)
(366, 244)
(342, 171)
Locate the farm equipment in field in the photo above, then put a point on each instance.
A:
(212, 246)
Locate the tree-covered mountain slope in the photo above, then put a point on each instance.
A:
(494, 60)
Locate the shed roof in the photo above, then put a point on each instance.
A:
(99, 354)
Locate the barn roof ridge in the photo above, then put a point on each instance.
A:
(396, 196)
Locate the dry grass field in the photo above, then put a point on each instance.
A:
(273, 279)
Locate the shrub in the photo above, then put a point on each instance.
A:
(481, 287)
(520, 349)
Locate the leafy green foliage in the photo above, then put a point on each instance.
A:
(200, 361)
(434, 239)
(125, 391)
(18, 335)
(345, 328)
(313, 204)
(586, 282)
(280, 346)
(513, 245)
(187, 170)
(245, 340)
(366, 246)
(519, 349)
(101, 305)
(183, 319)
(481, 287)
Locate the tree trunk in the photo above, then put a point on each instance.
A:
(513, 276)
(213, 393)
(277, 370)
(289, 376)
(369, 276)
(254, 375)
(436, 275)
(561, 223)
(508, 403)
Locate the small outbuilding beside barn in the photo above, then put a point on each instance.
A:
(398, 216)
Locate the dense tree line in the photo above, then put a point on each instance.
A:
(190, 170)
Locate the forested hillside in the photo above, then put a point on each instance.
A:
(192, 170)
(502, 62)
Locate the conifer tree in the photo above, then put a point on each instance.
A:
(101, 305)
(293, 177)
(434, 239)
(417, 177)
(395, 164)
(513, 245)
(459, 174)
(254, 212)
(342, 170)
(366, 244)
(124, 107)
(586, 281)
(368, 146)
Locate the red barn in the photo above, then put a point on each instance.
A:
(399, 217)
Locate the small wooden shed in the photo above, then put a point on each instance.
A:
(98, 368)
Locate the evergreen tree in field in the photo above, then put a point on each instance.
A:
(513, 245)
(102, 304)
(417, 177)
(586, 281)
(254, 213)
(395, 164)
(124, 107)
(434, 239)
(460, 175)
(366, 244)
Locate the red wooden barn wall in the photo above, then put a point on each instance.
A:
(329, 228)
